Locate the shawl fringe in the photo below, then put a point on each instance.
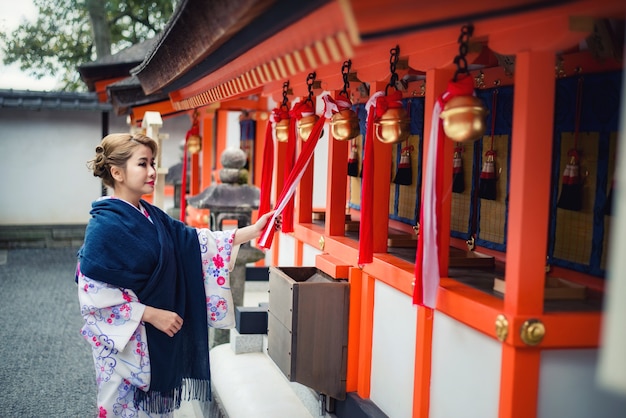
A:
(166, 402)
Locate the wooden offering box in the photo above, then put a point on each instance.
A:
(308, 328)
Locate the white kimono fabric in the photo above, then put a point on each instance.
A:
(117, 336)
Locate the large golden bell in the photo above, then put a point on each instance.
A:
(464, 118)
(194, 144)
(282, 130)
(393, 126)
(305, 126)
(344, 125)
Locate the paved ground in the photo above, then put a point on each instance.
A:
(45, 366)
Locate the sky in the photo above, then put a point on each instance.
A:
(11, 77)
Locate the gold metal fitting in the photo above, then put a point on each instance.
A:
(502, 327)
(305, 126)
(282, 130)
(322, 242)
(532, 332)
(344, 125)
(464, 118)
(393, 126)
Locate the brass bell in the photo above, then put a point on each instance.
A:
(393, 126)
(344, 125)
(282, 130)
(194, 144)
(464, 118)
(305, 126)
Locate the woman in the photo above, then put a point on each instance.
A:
(143, 288)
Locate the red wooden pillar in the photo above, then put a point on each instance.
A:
(337, 185)
(208, 129)
(304, 192)
(437, 83)
(194, 187)
(354, 329)
(262, 119)
(220, 139)
(382, 185)
(529, 202)
(366, 335)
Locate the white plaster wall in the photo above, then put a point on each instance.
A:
(466, 368)
(568, 387)
(320, 162)
(393, 351)
(233, 132)
(286, 255)
(42, 166)
(308, 255)
(43, 157)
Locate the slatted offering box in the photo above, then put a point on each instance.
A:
(308, 327)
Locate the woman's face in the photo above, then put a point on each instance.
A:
(139, 176)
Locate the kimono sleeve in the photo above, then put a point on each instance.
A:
(112, 315)
(217, 253)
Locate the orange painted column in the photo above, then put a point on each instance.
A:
(208, 129)
(437, 83)
(354, 329)
(194, 187)
(366, 335)
(382, 185)
(220, 138)
(280, 153)
(298, 253)
(262, 119)
(304, 192)
(529, 202)
(259, 143)
(337, 185)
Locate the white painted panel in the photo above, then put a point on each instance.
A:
(466, 368)
(320, 162)
(286, 255)
(568, 387)
(233, 131)
(393, 351)
(308, 255)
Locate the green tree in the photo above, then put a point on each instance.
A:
(68, 33)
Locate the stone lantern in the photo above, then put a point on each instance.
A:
(231, 200)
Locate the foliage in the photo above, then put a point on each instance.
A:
(66, 32)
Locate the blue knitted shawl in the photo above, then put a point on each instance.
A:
(161, 263)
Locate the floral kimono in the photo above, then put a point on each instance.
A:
(114, 288)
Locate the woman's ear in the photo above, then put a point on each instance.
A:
(116, 173)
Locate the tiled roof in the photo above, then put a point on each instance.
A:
(43, 100)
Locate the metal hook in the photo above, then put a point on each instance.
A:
(310, 80)
(461, 60)
(345, 71)
(285, 90)
(394, 55)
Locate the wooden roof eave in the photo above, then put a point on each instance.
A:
(555, 29)
(203, 36)
(529, 25)
(319, 39)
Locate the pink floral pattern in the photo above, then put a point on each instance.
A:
(216, 248)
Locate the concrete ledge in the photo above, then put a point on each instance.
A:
(250, 385)
(41, 236)
(246, 343)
